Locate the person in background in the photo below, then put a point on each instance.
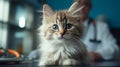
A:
(100, 43)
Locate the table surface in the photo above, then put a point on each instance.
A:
(33, 63)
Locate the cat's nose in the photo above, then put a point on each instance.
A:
(61, 32)
(62, 35)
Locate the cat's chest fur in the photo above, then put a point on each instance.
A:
(59, 49)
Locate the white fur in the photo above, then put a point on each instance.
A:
(62, 48)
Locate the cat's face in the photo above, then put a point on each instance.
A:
(61, 25)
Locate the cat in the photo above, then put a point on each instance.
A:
(60, 35)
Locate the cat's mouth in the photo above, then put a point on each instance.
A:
(64, 38)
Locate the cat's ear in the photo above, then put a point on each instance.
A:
(75, 8)
(47, 11)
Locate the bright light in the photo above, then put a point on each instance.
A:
(22, 22)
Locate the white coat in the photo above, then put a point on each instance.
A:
(108, 47)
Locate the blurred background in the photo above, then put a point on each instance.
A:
(19, 20)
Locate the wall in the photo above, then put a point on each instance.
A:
(59, 4)
(109, 8)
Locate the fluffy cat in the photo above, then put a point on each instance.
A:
(60, 35)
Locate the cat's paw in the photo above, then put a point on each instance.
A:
(70, 62)
(46, 62)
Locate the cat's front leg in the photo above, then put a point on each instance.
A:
(70, 62)
(46, 61)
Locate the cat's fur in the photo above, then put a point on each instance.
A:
(62, 46)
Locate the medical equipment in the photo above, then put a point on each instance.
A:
(94, 40)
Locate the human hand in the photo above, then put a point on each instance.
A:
(94, 56)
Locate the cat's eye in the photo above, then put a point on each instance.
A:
(69, 26)
(55, 27)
